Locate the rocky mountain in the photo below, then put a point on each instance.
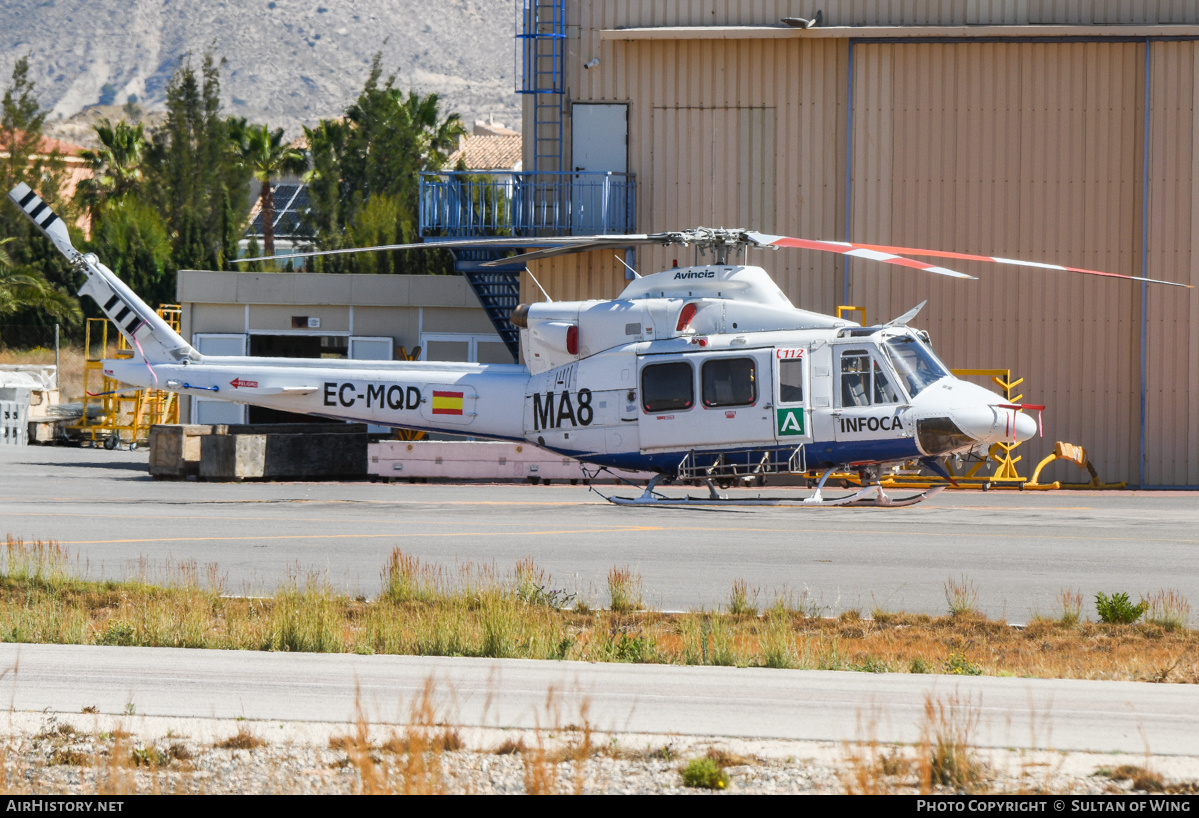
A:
(287, 62)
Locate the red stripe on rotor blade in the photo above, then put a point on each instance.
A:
(919, 251)
(832, 247)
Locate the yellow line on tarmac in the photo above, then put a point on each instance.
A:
(407, 521)
(363, 536)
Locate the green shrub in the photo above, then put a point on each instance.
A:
(118, 634)
(959, 665)
(1117, 610)
(705, 773)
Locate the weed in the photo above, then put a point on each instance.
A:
(743, 599)
(1117, 610)
(1168, 609)
(70, 758)
(510, 747)
(719, 645)
(947, 758)
(243, 739)
(636, 648)
(724, 758)
(624, 590)
(962, 596)
(866, 769)
(664, 753)
(406, 579)
(1070, 604)
(1140, 778)
(778, 643)
(882, 617)
(959, 665)
(118, 634)
(871, 664)
(532, 587)
(704, 773)
(149, 756)
(918, 665)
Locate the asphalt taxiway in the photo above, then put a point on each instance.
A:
(1017, 549)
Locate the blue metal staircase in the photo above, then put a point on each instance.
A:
(497, 288)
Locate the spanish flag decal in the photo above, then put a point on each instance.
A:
(447, 403)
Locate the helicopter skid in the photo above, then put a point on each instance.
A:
(869, 496)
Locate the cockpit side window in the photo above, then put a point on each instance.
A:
(863, 381)
(855, 377)
(884, 392)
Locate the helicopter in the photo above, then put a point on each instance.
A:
(704, 374)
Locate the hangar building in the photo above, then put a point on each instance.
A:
(1047, 130)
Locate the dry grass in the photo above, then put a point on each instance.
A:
(425, 610)
(624, 590)
(243, 739)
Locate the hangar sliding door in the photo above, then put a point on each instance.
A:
(1026, 150)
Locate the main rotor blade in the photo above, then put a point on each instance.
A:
(426, 245)
(915, 251)
(858, 250)
(590, 243)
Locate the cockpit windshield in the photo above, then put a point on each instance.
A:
(915, 363)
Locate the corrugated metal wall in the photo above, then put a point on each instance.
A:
(1172, 326)
(736, 134)
(598, 14)
(1028, 151)
(1031, 150)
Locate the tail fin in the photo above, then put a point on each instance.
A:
(144, 328)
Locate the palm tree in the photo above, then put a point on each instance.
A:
(19, 290)
(267, 156)
(115, 165)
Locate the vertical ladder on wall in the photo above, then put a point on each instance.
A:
(540, 43)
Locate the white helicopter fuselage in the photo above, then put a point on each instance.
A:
(701, 366)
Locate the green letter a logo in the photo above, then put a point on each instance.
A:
(790, 422)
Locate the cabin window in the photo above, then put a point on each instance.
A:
(729, 382)
(791, 380)
(667, 387)
(863, 382)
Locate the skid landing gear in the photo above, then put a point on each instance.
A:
(867, 496)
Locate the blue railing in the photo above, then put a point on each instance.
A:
(525, 205)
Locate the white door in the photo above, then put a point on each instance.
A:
(209, 411)
(367, 348)
(599, 143)
(707, 401)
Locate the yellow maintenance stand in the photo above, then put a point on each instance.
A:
(114, 415)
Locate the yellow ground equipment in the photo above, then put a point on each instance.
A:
(409, 434)
(1072, 454)
(112, 415)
